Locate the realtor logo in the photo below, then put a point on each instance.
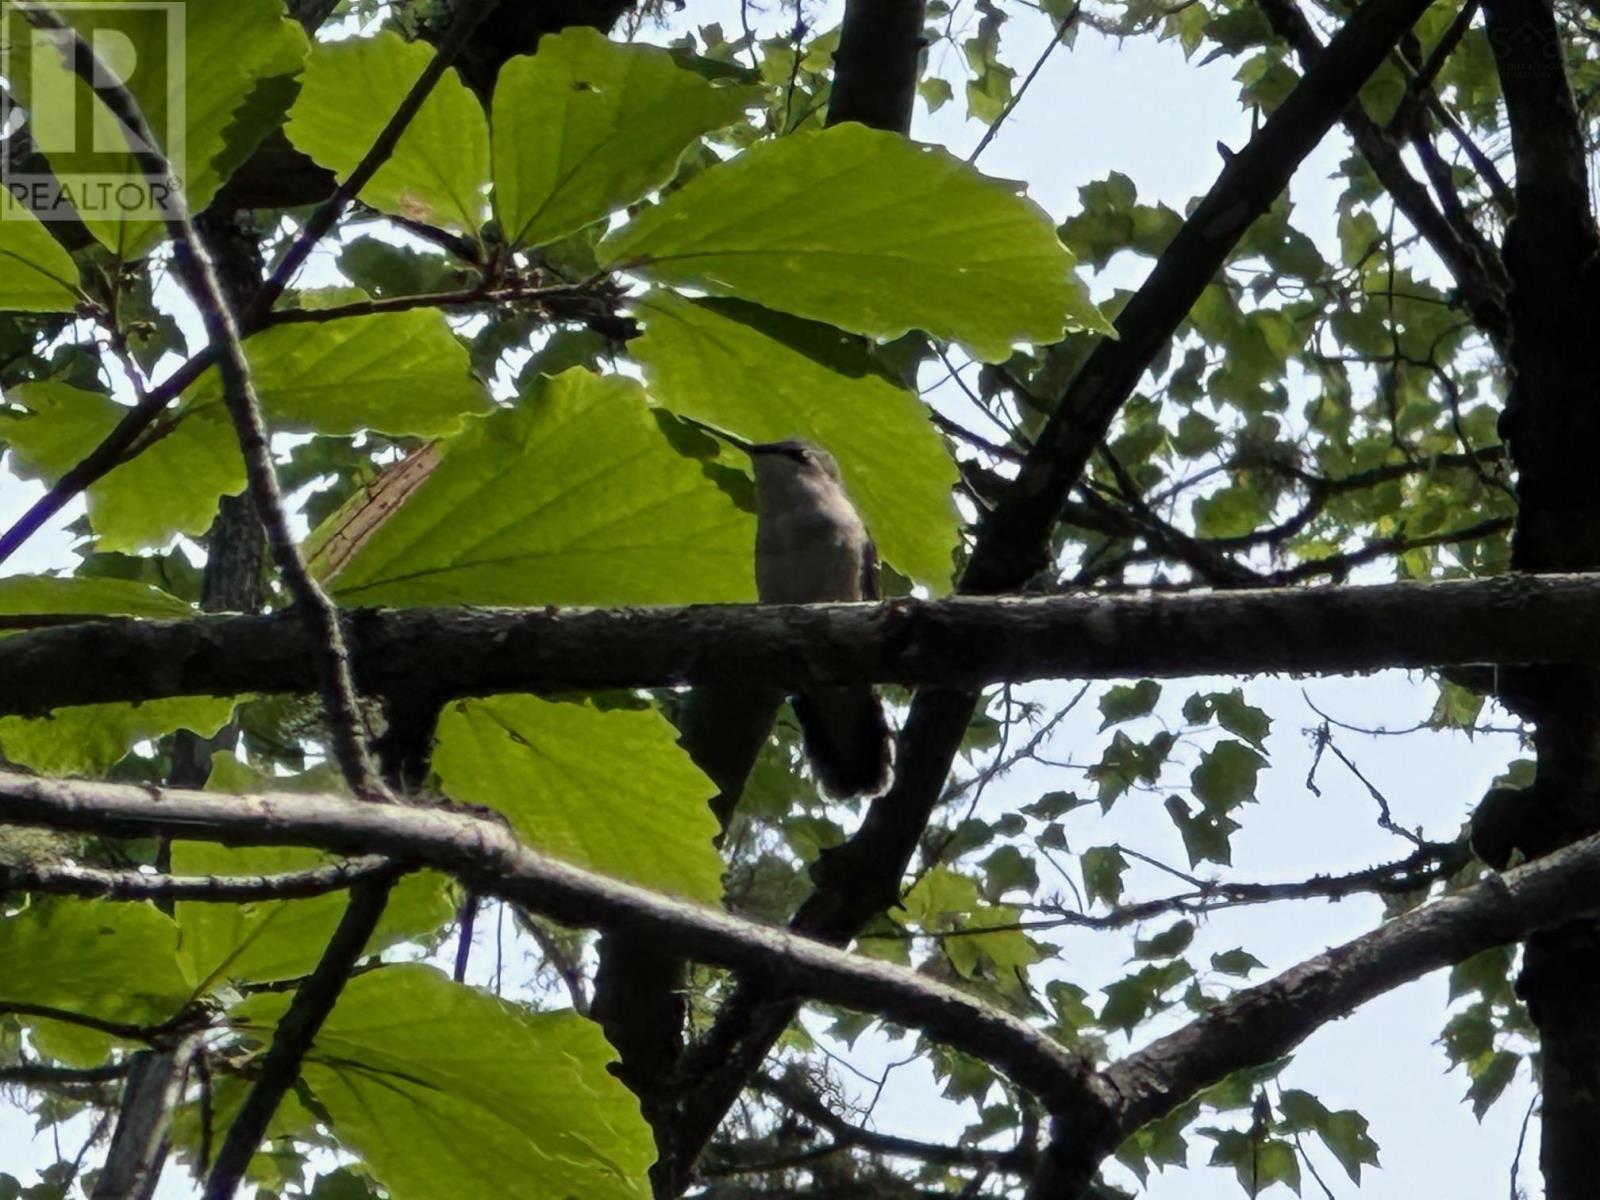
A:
(63, 155)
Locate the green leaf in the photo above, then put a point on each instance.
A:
(36, 272)
(444, 1090)
(1491, 1075)
(237, 77)
(1008, 869)
(90, 595)
(869, 232)
(1169, 943)
(1128, 701)
(1054, 804)
(1102, 868)
(1230, 512)
(384, 269)
(1237, 962)
(1230, 711)
(1130, 1000)
(1205, 833)
(573, 497)
(172, 487)
(401, 373)
(1226, 776)
(273, 940)
(87, 739)
(440, 168)
(588, 125)
(935, 93)
(1257, 1163)
(609, 790)
(1344, 1132)
(769, 377)
(1126, 762)
(112, 960)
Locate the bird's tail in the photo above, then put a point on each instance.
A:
(846, 739)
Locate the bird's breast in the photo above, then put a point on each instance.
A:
(808, 558)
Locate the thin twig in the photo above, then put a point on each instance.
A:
(1060, 33)
(1522, 1137)
(62, 879)
(468, 16)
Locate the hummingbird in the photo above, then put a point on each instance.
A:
(812, 546)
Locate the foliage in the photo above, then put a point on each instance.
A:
(497, 404)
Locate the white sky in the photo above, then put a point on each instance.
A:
(1139, 108)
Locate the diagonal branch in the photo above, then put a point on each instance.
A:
(1469, 257)
(312, 1003)
(151, 1095)
(1256, 1025)
(488, 859)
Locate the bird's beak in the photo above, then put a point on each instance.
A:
(722, 435)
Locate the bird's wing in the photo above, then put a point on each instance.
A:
(869, 572)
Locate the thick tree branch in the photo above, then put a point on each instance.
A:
(152, 1093)
(489, 860)
(1256, 1025)
(877, 63)
(959, 642)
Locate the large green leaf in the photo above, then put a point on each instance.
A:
(869, 232)
(87, 594)
(173, 487)
(111, 960)
(87, 739)
(573, 497)
(36, 273)
(608, 790)
(284, 939)
(230, 64)
(440, 168)
(588, 125)
(769, 377)
(398, 373)
(445, 1090)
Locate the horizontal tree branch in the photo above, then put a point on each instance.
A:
(41, 1075)
(67, 879)
(960, 642)
(489, 860)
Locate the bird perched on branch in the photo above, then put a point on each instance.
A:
(812, 546)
